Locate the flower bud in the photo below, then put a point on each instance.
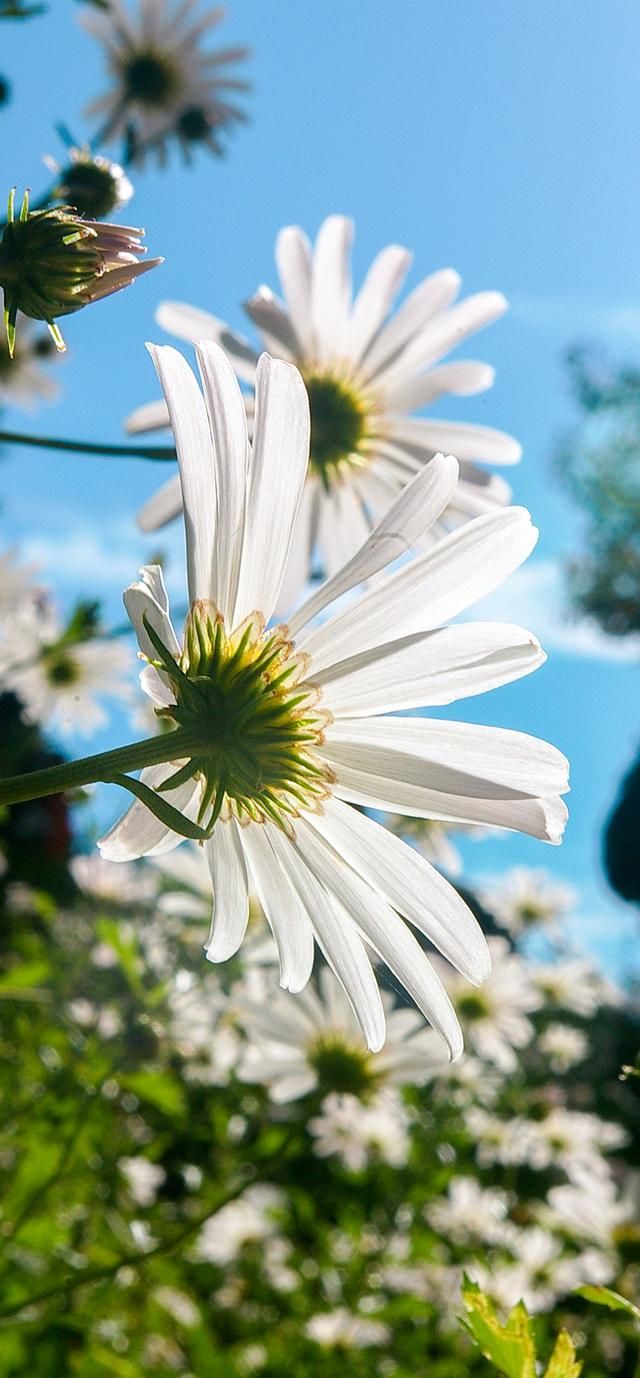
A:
(53, 262)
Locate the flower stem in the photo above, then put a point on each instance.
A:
(91, 770)
(87, 447)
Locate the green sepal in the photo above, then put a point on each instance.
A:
(164, 812)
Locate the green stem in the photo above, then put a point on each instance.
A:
(87, 447)
(102, 768)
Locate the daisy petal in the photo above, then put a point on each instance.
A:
(404, 522)
(228, 870)
(272, 319)
(429, 668)
(443, 333)
(464, 440)
(338, 939)
(427, 300)
(152, 416)
(228, 423)
(190, 427)
(463, 379)
(284, 911)
(191, 324)
(162, 506)
(331, 286)
(386, 932)
(279, 460)
(376, 297)
(429, 590)
(148, 598)
(294, 261)
(410, 884)
(139, 832)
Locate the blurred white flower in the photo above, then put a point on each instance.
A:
(165, 86)
(17, 583)
(295, 1046)
(494, 1019)
(573, 985)
(570, 1139)
(345, 1329)
(143, 1178)
(359, 1134)
(127, 885)
(525, 897)
(23, 380)
(471, 1212)
(307, 712)
(249, 1220)
(564, 1046)
(365, 371)
(178, 1305)
(582, 1209)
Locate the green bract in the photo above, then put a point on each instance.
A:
(53, 262)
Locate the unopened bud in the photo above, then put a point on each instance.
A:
(53, 262)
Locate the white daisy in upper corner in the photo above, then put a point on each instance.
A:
(315, 1041)
(23, 380)
(527, 896)
(366, 371)
(282, 728)
(58, 678)
(165, 86)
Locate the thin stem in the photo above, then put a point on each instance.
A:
(88, 447)
(103, 767)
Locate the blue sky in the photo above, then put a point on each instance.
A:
(499, 139)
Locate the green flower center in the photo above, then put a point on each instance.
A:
(149, 78)
(338, 426)
(193, 125)
(249, 721)
(91, 189)
(341, 1066)
(472, 1007)
(60, 668)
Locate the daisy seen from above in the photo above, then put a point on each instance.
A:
(278, 730)
(366, 371)
(165, 85)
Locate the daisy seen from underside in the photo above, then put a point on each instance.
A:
(366, 371)
(282, 728)
(165, 86)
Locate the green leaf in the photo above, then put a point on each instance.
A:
(603, 1296)
(172, 818)
(159, 1089)
(510, 1347)
(22, 977)
(563, 1362)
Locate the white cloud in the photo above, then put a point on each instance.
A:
(535, 597)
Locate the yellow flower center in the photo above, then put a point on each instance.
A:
(339, 420)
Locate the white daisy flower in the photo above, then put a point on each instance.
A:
(471, 1212)
(431, 838)
(164, 85)
(125, 885)
(573, 985)
(316, 1041)
(17, 586)
(525, 897)
(249, 1220)
(23, 381)
(346, 1329)
(577, 1210)
(59, 679)
(564, 1046)
(360, 1134)
(366, 373)
(572, 1140)
(284, 727)
(144, 1178)
(495, 1019)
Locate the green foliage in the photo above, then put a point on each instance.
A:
(603, 1296)
(511, 1346)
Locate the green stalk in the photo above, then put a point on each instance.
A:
(87, 447)
(101, 768)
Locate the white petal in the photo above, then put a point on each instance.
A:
(427, 300)
(461, 438)
(429, 668)
(162, 507)
(331, 286)
(410, 884)
(463, 379)
(139, 832)
(442, 334)
(230, 891)
(376, 297)
(294, 260)
(283, 909)
(452, 757)
(339, 941)
(386, 932)
(429, 590)
(190, 426)
(270, 315)
(300, 552)
(228, 423)
(191, 324)
(342, 529)
(148, 598)
(405, 521)
(152, 416)
(279, 460)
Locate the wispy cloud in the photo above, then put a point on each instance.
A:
(535, 597)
